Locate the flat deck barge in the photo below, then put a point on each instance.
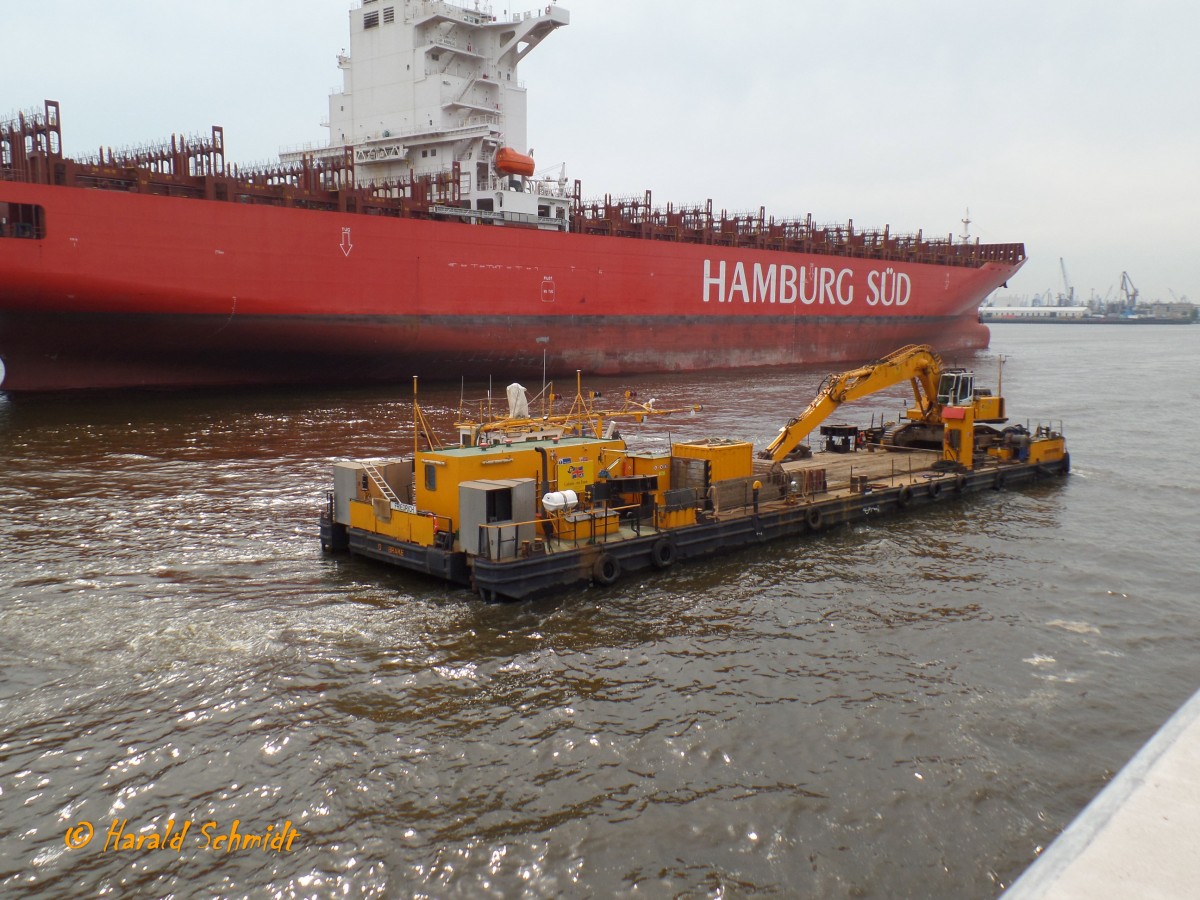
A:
(592, 552)
(525, 506)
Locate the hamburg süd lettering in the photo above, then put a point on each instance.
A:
(741, 282)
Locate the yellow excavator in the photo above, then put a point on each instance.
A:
(944, 414)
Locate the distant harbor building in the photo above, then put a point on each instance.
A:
(1181, 312)
(1027, 313)
(1181, 309)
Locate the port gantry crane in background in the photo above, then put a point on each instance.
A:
(1067, 299)
(944, 414)
(1129, 294)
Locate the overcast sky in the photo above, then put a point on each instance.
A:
(1071, 125)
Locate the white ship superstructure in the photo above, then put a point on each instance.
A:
(428, 84)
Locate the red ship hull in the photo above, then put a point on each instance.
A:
(125, 289)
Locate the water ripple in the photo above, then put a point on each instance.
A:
(899, 708)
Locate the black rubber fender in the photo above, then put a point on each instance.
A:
(935, 488)
(960, 483)
(606, 570)
(1066, 464)
(998, 484)
(663, 553)
(814, 518)
(904, 497)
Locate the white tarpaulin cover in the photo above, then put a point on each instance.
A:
(518, 403)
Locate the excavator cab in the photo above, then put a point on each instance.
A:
(956, 387)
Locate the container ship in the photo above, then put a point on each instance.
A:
(421, 240)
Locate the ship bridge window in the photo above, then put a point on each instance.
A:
(22, 220)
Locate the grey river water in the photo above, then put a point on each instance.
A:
(906, 708)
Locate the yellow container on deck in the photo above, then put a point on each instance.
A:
(641, 464)
(729, 459)
(676, 518)
(556, 465)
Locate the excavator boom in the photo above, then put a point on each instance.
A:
(916, 363)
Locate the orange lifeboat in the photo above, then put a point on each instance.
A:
(510, 162)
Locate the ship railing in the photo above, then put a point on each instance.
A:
(476, 16)
(544, 187)
(180, 155)
(501, 218)
(309, 149)
(540, 187)
(468, 124)
(487, 74)
(590, 528)
(637, 217)
(189, 165)
(528, 14)
(24, 121)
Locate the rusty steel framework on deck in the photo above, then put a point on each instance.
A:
(195, 167)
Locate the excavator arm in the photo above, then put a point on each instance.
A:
(916, 363)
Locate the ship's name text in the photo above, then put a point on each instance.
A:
(811, 285)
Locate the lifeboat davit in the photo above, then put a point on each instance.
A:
(510, 162)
